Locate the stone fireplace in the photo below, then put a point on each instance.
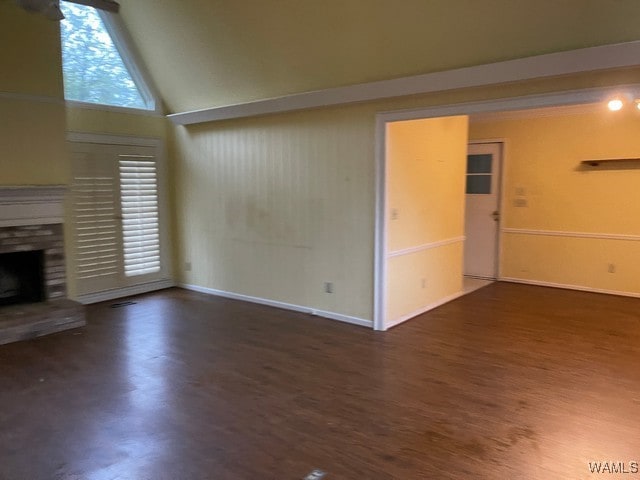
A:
(33, 281)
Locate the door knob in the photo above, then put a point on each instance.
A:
(496, 215)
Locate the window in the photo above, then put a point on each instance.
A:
(95, 64)
(479, 173)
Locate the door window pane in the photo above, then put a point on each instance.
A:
(480, 163)
(479, 184)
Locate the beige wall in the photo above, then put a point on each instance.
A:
(425, 163)
(32, 122)
(274, 207)
(542, 169)
(33, 150)
(30, 55)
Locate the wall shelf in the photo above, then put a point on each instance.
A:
(610, 161)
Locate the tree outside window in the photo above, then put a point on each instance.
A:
(92, 66)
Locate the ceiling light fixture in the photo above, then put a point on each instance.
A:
(615, 105)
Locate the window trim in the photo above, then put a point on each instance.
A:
(112, 108)
(123, 42)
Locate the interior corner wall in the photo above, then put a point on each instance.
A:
(566, 224)
(425, 175)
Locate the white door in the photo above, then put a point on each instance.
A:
(482, 210)
(116, 216)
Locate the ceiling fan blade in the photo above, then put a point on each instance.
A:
(49, 8)
(108, 5)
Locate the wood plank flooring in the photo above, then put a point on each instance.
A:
(509, 382)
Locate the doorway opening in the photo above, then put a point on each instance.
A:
(548, 238)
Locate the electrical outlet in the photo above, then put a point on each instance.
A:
(424, 283)
(328, 287)
(394, 214)
(187, 266)
(611, 268)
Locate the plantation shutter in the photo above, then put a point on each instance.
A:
(116, 208)
(96, 224)
(139, 205)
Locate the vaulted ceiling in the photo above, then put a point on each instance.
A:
(205, 53)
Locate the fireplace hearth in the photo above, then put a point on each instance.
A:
(33, 282)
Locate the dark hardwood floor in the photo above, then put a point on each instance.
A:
(509, 382)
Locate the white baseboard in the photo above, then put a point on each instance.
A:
(89, 298)
(273, 303)
(569, 287)
(420, 311)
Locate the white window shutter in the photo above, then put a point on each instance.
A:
(140, 222)
(96, 227)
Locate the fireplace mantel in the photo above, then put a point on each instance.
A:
(31, 205)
